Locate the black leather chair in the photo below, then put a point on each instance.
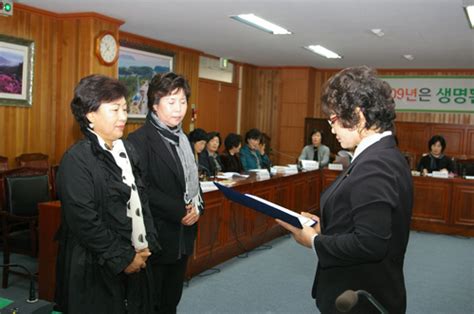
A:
(20, 216)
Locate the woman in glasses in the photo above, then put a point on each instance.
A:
(361, 237)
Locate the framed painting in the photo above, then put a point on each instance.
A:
(16, 71)
(137, 65)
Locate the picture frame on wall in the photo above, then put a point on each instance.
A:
(17, 57)
(137, 64)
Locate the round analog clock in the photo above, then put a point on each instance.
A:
(107, 48)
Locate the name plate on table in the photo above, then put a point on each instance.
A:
(335, 167)
(309, 165)
(440, 174)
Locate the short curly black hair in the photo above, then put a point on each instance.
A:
(197, 135)
(254, 134)
(314, 131)
(213, 134)
(91, 92)
(232, 140)
(164, 84)
(359, 87)
(435, 139)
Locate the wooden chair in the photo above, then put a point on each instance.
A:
(3, 163)
(23, 189)
(33, 160)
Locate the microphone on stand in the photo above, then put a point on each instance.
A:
(298, 163)
(349, 298)
(284, 154)
(32, 297)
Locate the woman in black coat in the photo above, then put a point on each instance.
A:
(172, 181)
(209, 159)
(106, 233)
(230, 158)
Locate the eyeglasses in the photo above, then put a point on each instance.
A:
(332, 120)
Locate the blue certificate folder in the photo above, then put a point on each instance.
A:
(266, 207)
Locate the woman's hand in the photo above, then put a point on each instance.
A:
(303, 236)
(317, 226)
(139, 261)
(192, 216)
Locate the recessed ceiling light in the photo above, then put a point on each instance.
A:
(469, 7)
(409, 57)
(320, 50)
(377, 31)
(262, 24)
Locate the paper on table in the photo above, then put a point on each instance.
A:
(207, 186)
(229, 175)
(303, 220)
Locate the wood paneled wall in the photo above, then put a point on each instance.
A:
(297, 97)
(32, 129)
(76, 59)
(294, 87)
(64, 52)
(65, 46)
(275, 100)
(217, 107)
(261, 101)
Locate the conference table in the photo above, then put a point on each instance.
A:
(228, 229)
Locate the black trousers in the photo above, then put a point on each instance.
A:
(169, 284)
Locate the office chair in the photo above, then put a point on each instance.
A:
(33, 160)
(20, 216)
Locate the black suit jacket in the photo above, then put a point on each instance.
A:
(207, 164)
(365, 225)
(166, 187)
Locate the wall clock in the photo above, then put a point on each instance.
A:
(107, 48)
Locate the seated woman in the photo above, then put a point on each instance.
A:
(435, 160)
(209, 159)
(250, 156)
(264, 149)
(316, 150)
(230, 158)
(198, 140)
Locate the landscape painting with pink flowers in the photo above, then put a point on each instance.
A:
(16, 71)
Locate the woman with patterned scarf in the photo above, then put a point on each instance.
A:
(106, 234)
(172, 180)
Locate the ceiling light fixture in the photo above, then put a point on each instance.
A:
(378, 32)
(320, 50)
(409, 57)
(257, 22)
(469, 8)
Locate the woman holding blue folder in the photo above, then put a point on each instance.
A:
(362, 234)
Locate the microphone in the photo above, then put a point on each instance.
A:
(349, 298)
(32, 297)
